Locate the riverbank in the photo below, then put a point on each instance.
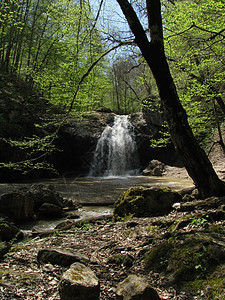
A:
(115, 250)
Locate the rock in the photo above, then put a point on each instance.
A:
(155, 168)
(48, 210)
(60, 257)
(78, 140)
(80, 283)
(9, 231)
(145, 202)
(135, 288)
(17, 205)
(69, 205)
(208, 203)
(41, 194)
(4, 248)
(121, 259)
(146, 129)
(187, 257)
(104, 109)
(186, 191)
(23, 204)
(176, 206)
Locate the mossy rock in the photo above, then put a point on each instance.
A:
(145, 202)
(211, 288)
(9, 232)
(4, 248)
(121, 259)
(79, 282)
(186, 258)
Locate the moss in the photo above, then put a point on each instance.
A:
(4, 248)
(184, 258)
(145, 202)
(152, 229)
(117, 259)
(156, 258)
(77, 277)
(211, 288)
(216, 228)
(17, 248)
(123, 219)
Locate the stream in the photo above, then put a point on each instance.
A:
(96, 194)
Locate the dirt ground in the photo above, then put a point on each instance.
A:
(217, 158)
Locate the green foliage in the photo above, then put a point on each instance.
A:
(52, 44)
(194, 40)
(198, 222)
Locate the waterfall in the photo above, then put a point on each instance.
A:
(116, 151)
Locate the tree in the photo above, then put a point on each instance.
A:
(194, 44)
(194, 158)
(51, 44)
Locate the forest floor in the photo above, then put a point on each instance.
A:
(105, 243)
(22, 277)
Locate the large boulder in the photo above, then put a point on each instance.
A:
(187, 258)
(17, 205)
(145, 202)
(50, 211)
(79, 282)
(135, 288)
(39, 200)
(42, 193)
(60, 257)
(155, 168)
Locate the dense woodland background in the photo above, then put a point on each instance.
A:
(53, 61)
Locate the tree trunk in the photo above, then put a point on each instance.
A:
(194, 158)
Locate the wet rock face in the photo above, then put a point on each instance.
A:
(78, 140)
(135, 288)
(79, 282)
(145, 202)
(146, 129)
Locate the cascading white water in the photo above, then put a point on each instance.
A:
(116, 151)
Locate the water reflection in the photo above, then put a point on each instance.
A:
(96, 194)
(100, 190)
